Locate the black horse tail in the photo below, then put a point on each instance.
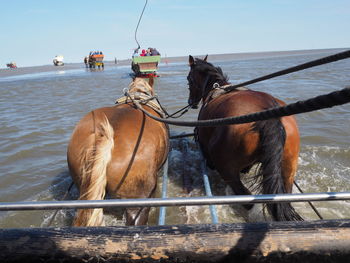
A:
(271, 145)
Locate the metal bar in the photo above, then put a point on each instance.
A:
(186, 179)
(212, 208)
(162, 209)
(183, 201)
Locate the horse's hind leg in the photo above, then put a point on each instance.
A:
(289, 169)
(238, 187)
(290, 153)
(137, 216)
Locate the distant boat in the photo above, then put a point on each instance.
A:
(58, 60)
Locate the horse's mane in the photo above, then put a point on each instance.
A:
(210, 69)
(140, 85)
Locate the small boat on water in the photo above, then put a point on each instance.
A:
(58, 60)
(146, 65)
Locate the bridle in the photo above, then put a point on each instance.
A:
(202, 87)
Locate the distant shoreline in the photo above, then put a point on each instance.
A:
(212, 57)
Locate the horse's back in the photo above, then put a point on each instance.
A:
(239, 142)
(238, 103)
(140, 148)
(235, 104)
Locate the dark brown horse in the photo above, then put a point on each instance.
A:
(117, 150)
(233, 149)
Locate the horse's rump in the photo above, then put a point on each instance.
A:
(119, 150)
(89, 152)
(247, 144)
(141, 149)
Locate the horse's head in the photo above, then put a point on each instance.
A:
(201, 78)
(141, 85)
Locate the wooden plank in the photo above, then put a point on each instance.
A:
(316, 241)
(151, 66)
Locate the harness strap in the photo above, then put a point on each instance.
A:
(144, 99)
(218, 90)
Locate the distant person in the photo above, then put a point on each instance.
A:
(154, 52)
(143, 53)
(148, 52)
(136, 52)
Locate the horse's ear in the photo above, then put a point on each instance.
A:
(205, 59)
(190, 61)
(151, 80)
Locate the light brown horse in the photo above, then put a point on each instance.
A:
(233, 149)
(117, 150)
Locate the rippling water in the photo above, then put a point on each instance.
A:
(40, 110)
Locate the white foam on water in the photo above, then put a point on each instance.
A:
(324, 169)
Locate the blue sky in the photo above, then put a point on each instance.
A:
(34, 31)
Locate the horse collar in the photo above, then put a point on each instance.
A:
(144, 99)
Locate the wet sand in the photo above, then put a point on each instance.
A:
(49, 68)
(184, 59)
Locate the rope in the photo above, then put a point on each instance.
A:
(162, 108)
(312, 206)
(184, 110)
(314, 63)
(320, 102)
(138, 23)
(64, 197)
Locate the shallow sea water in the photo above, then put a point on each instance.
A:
(40, 110)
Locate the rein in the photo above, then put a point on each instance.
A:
(218, 90)
(311, 64)
(184, 110)
(146, 99)
(329, 100)
(316, 103)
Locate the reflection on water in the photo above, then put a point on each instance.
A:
(40, 110)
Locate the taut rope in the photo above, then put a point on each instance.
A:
(320, 102)
(314, 63)
(138, 23)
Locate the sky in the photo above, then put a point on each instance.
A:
(34, 31)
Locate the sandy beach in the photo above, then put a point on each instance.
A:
(4, 72)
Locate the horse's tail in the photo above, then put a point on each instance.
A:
(272, 139)
(93, 173)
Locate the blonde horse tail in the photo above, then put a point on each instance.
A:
(94, 163)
